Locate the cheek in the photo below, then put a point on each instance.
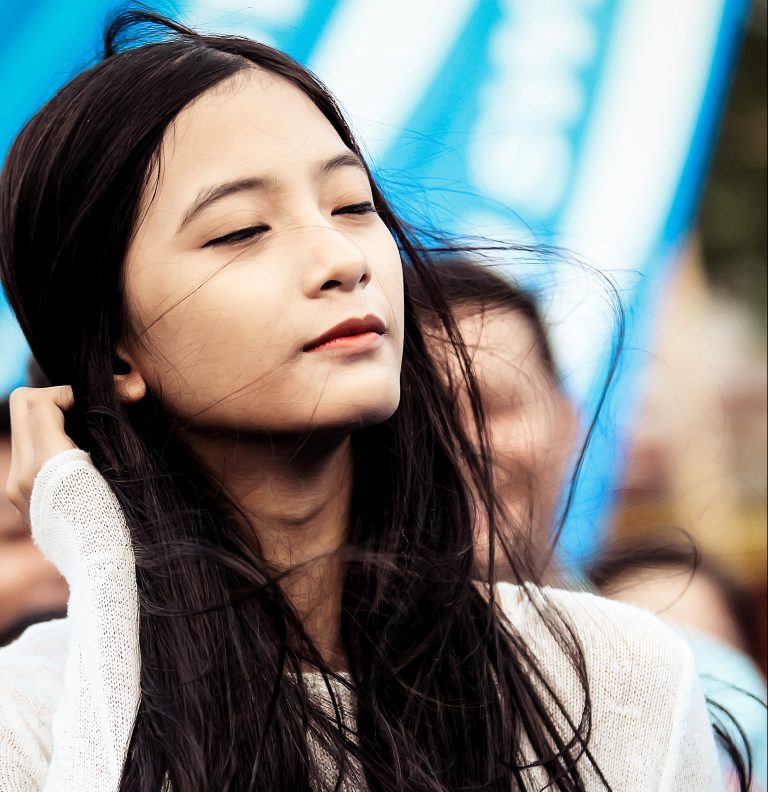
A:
(515, 436)
(523, 440)
(387, 270)
(207, 340)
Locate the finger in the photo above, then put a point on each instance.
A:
(34, 416)
(37, 430)
(61, 395)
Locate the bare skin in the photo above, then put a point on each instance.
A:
(226, 298)
(298, 505)
(37, 434)
(532, 426)
(531, 423)
(29, 583)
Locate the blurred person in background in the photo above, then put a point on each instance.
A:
(697, 460)
(31, 588)
(532, 428)
(703, 601)
(532, 424)
(696, 451)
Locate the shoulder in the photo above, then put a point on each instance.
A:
(41, 646)
(32, 675)
(609, 632)
(646, 713)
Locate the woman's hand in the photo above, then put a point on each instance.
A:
(37, 434)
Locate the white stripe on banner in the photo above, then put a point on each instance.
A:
(634, 151)
(379, 58)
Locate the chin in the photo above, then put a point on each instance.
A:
(337, 405)
(359, 410)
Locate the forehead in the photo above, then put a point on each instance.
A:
(499, 337)
(504, 350)
(254, 121)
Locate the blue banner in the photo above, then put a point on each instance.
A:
(586, 124)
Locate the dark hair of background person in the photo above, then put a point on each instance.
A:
(626, 557)
(445, 686)
(465, 283)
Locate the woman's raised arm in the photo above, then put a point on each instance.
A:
(68, 726)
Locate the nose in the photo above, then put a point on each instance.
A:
(333, 261)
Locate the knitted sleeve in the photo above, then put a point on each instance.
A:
(75, 737)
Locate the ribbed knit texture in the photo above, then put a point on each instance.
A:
(69, 688)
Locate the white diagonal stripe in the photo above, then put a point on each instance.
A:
(379, 57)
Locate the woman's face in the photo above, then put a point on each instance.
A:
(259, 243)
(531, 424)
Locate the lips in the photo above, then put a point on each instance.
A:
(348, 329)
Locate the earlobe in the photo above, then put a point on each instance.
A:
(129, 383)
(570, 420)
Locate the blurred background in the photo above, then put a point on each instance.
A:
(629, 133)
(696, 446)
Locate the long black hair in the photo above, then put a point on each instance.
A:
(447, 692)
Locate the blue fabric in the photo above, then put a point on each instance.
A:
(733, 681)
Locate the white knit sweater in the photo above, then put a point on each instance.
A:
(69, 689)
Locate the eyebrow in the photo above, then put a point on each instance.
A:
(209, 195)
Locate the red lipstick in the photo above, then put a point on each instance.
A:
(351, 332)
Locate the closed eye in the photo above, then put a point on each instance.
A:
(241, 235)
(365, 207)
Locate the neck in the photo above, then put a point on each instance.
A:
(295, 495)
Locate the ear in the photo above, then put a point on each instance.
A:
(129, 383)
(568, 422)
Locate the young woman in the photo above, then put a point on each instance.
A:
(258, 488)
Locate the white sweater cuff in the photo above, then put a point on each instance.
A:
(75, 516)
